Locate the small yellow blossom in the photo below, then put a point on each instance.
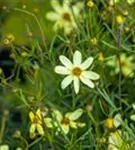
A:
(10, 37)
(24, 54)
(113, 123)
(113, 2)
(101, 57)
(119, 19)
(90, 3)
(126, 63)
(94, 41)
(63, 123)
(36, 124)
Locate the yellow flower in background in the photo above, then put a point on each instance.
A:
(90, 3)
(63, 15)
(130, 2)
(4, 147)
(36, 124)
(101, 57)
(94, 41)
(113, 2)
(119, 19)
(126, 63)
(113, 123)
(76, 71)
(116, 141)
(63, 123)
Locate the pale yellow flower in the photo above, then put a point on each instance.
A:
(63, 15)
(116, 141)
(4, 147)
(126, 63)
(63, 123)
(76, 71)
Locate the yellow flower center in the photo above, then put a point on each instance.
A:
(65, 121)
(123, 64)
(77, 71)
(66, 16)
(35, 120)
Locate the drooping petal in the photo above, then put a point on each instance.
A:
(40, 129)
(77, 58)
(66, 81)
(52, 16)
(56, 5)
(87, 63)
(117, 120)
(61, 70)
(75, 114)
(32, 128)
(65, 128)
(80, 124)
(57, 115)
(31, 115)
(76, 85)
(87, 81)
(66, 62)
(90, 75)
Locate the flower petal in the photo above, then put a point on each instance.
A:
(31, 115)
(52, 16)
(56, 5)
(90, 75)
(40, 129)
(88, 82)
(32, 128)
(86, 64)
(65, 128)
(77, 58)
(66, 62)
(75, 114)
(57, 115)
(61, 70)
(73, 124)
(66, 81)
(76, 85)
(38, 113)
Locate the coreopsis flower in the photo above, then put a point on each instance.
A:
(63, 16)
(76, 71)
(116, 141)
(4, 147)
(113, 123)
(63, 123)
(126, 63)
(37, 122)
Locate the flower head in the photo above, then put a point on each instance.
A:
(63, 123)
(116, 141)
(76, 71)
(113, 123)
(126, 63)
(119, 19)
(36, 124)
(63, 15)
(90, 3)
